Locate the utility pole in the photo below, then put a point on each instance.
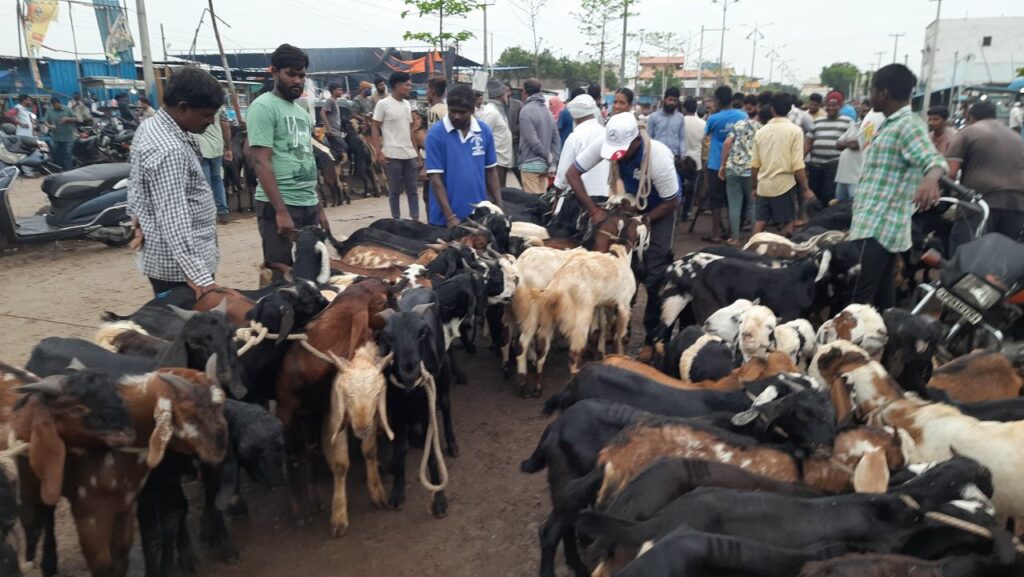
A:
(721, 46)
(952, 82)
(224, 63)
(147, 56)
(486, 60)
(163, 41)
(625, 36)
(933, 52)
(755, 34)
(74, 39)
(700, 62)
(896, 43)
(773, 54)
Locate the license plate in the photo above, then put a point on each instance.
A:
(964, 309)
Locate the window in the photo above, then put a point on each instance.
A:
(986, 41)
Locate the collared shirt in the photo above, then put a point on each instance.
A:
(778, 152)
(668, 129)
(661, 171)
(899, 156)
(741, 152)
(462, 160)
(169, 195)
(827, 131)
(493, 115)
(61, 131)
(211, 141)
(585, 134)
(694, 128)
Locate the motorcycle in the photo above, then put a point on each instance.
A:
(102, 143)
(27, 153)
(978, 290)
(88, 203)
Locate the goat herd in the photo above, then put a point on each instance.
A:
(753, 444)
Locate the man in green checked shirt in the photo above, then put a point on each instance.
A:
(901, 173)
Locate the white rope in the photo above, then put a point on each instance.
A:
(433, 436)
(256, 333)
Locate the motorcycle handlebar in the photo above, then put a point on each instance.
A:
(958, 189)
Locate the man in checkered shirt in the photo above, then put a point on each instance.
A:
(168, 196)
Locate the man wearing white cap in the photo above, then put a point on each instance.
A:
(647, 170)
(493, 114)
(587, 131)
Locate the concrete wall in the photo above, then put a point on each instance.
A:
(960, 41)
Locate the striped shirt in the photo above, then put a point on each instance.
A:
(827, 131)
(169, 195)
(901, 153)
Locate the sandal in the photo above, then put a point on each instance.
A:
(733, 242)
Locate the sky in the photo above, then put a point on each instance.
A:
(811, 35)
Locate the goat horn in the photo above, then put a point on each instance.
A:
(51, 386)
(76, 365)
(180, 384)
(222, 306)
(182, 313)
(493, 252)
(211, 368)
(290, 290)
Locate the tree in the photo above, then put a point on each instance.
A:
(1020, 72)
(779, 87)
(840, 76)
(528, 11)
(442, 9)
(657, 85)
(596, 18)
(666, 43)
(573, 72)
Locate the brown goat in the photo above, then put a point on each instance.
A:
(177, 408)
(755, 369)
(303, 380)
(852, 466)
(979, 376)
(238, 305)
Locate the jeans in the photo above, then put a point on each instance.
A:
(657, 257)
(61, 153)
(738, 189)
(845, 191)
(822, 178)
(213, 170)
(403, 175)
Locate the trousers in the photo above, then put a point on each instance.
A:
(403, 174)
(656, 260)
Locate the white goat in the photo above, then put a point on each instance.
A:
(796, 339)
(757, 325)
(725, 322)
(859, 324)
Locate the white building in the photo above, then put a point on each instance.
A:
(973, 51)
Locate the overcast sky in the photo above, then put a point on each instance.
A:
(815, 34)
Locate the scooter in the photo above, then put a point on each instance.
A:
(27, 153)
(88, 203)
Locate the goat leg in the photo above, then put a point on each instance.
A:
(399, 450)
(550, 535)
(188, 562)
(148, 513)
(213, 527)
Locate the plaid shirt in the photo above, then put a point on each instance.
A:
(169, 195)
(898, 158)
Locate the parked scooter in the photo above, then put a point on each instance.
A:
(27, 153)
(979, 288)
(102, 142)
(88, 203)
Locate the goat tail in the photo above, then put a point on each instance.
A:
(537, 461)
(609, 529)
(111, 317)
(110, 330)
(339, 245)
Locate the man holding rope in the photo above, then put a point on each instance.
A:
(648, 172)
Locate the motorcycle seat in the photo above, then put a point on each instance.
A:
(85, 181)
(20, 144)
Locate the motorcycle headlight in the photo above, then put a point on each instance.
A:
(976, 292)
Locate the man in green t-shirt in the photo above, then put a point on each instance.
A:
(280, 138)
(62, 123)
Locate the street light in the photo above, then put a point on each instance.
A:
(755, 34)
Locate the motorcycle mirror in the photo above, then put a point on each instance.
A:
(932, 258)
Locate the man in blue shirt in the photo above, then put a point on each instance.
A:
(461, 162)
(666, 125)
(719, 127)
(635, 156)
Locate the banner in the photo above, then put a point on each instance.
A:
(38, 15)
(117, 40)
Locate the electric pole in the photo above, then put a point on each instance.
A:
(147, 56)
(721, 47)
(755, 34)
(486, 60)
(773, 54)
(700, 62)
(933, 53)
(163, 41)
(224, 63)
(625, 36)
(896, 43)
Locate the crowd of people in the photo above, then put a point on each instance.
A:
(754, 161)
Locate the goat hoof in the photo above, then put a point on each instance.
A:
(453, 450)
(507, 371)
(397, 500)
(537, 391)
(339, 530)
(238, 508)
(439, 506)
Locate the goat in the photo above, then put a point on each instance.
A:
(708, 359)
(756, 332)
(913, 341)
(725, 322)
(797, 340)
(359, 401)
(858, 324)
(978, 376)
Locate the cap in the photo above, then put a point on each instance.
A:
(581, 106)
(620, 131)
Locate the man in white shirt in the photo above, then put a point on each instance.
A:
(392, 139)
(494, 115)
(801, 117)
(853, 144)
(1017, 118)
(23, 119)
(587, 130)
(693, 132)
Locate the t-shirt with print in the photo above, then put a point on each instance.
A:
(719, 126)
(284, 126)
(395, 118)
(742, 145)
(462, 160)
(827, 131)
(665, 184)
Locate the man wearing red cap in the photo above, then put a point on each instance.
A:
(820, 145)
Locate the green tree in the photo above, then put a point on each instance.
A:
(656, 86)
(596, 19)
(840, 76)
(572, 72)
(442, 9)
(779, 87)
(1020, 72)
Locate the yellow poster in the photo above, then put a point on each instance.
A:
(38, 15)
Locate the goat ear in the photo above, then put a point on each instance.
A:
(182, 313)
(386, 314)
(46, 456)
(907, 445)
(176, 354)
(385, 361)
(162, 432)
(421, 308)
(871, 475)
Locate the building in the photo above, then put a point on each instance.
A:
(813, 85)
(650, 66)
(971, 52)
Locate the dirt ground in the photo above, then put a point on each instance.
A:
(494, 509)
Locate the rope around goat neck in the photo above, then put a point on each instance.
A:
(256, 333)
(433, 436)
(956, 522)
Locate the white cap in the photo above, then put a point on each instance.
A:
(620, 131)
(582, 105)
